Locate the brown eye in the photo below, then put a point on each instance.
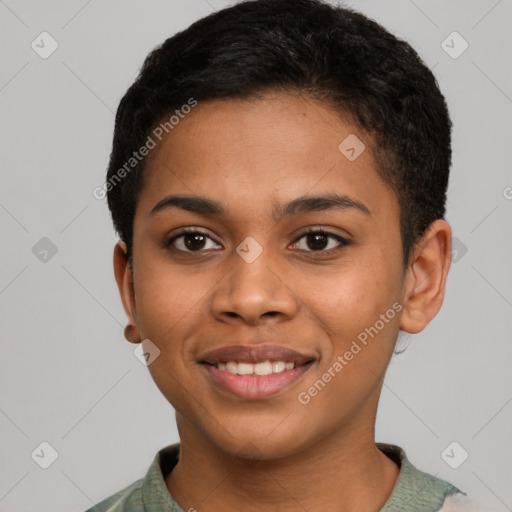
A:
(191, 241)
(319, 241)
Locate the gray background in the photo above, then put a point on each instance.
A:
(69, 378)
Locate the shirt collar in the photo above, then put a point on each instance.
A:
(413, 491)
(155, 495)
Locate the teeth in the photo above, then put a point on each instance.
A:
(232, 367)
(278, 366)
(265, 368)
(245, 369)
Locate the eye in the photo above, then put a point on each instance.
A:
(191, 240)
(319, 240)
(314, 240)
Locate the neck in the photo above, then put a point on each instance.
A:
(344, 471)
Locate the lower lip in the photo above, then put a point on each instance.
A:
(254, 387)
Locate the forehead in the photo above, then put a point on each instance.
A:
(270, 148)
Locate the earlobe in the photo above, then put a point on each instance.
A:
(123, 277)
(426, 275)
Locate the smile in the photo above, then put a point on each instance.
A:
(264, 368)
(255, 372)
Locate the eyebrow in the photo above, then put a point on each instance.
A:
(304, 204)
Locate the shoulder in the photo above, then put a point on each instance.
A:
(415, 489)
(149, 493)
(460, 502)
(128, 499)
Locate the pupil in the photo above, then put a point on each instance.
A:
(194, 236)
(318, 241)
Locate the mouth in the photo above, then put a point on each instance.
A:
(256, 372)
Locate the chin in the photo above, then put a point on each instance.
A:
(250, 441)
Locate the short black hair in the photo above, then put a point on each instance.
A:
(330, 53)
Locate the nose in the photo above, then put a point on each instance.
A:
(253, 293)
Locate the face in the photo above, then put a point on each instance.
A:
(268, 276)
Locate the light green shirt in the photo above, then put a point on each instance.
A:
(414, 490)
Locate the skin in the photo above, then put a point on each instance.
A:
(275, 453)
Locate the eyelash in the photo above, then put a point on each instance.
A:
(343, 241)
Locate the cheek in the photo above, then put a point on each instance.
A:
(168, 303)
(354, 298)
(168, 309)
(360, 311)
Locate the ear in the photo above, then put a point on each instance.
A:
(426, 275)
(123, 276)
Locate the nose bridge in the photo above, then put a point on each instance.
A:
(253, 287)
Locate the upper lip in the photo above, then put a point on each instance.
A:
(255, 354)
